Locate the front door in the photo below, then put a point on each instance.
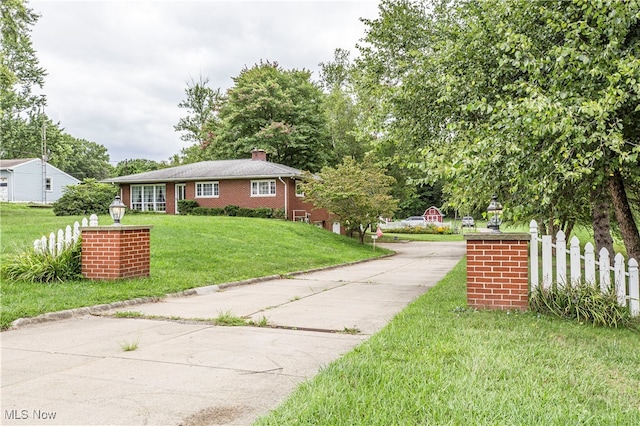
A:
(180, 194)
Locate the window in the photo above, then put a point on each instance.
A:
(207, 189)
(48, 184)
(299, 191)
(148, 198)
(263, 188)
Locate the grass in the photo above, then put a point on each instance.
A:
(229, 319)
(440, 363)
(130, 346)
(262, 322)
(186, 252)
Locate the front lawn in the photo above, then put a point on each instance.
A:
(186, 252)
(438, 363)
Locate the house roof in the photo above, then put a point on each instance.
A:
(9, 164)
(218, 170)
(14, 163)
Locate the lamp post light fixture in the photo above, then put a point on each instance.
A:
(494, 211)
(116, 210)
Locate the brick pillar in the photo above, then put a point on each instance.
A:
(114, 252)
(498, 271)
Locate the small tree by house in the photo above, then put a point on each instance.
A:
(357, 192)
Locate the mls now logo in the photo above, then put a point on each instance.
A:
(16, 414)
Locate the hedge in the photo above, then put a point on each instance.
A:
(191, 207)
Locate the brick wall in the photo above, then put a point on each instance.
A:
(114, 252)
(498, 271)
(237, 192)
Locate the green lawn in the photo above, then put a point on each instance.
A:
(186, 252)
(438, 363)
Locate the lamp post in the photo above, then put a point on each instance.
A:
(494, 211)
(117, 210)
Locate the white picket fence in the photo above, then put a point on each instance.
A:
(583, 267)
(57, 243)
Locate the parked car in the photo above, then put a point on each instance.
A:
(468, 221)
(414, 221)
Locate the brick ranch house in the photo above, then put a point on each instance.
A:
(249, 183)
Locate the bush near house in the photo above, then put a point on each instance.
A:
(191, 207)
(429, 229)
(89, 197)
(187, 206)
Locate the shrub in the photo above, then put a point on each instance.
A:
(89, 197)
(584, 303)
(187, 206)
(262, 212)
(208, 211)
(43, 267)
(231, 210)
(429, 229)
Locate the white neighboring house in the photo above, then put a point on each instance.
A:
(26, 180)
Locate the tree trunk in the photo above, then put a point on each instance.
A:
(624, 215)
(542, 228)
(361, 233)
(552, 229)
(569, 228)
(600, 220)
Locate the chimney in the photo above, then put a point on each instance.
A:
(258, 155)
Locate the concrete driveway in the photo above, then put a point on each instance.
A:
(186, 371)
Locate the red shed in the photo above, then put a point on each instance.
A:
(433, 214)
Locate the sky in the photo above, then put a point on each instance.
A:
(118, 69)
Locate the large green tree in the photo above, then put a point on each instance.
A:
(278, 110)
(358, 192)
(202, 104)
(135, 165)
(79, 157)
(20, 77)
(535, 100)
(25, 130)
(342, 110)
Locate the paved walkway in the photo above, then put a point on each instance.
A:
(188, 372)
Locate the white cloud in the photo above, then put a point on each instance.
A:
(118, 69)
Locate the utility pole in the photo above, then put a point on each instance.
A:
(45, 157)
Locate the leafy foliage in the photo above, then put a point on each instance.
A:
(429, 229)
(534, 100)
(134, 166)
(191, 207)
(343, 112)
(20, 72)
(89, 197)
(203, 105)
(43, 267)
(270, 108)
(584, 303)
(358, 193)
(187, 206)
(23, 123)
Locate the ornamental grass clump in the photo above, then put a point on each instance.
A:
(584, 303)
(43, 267)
